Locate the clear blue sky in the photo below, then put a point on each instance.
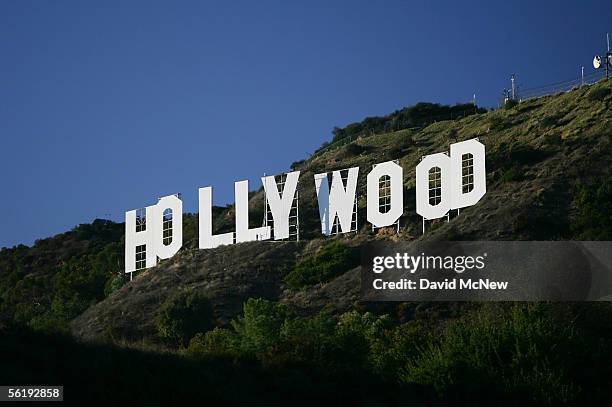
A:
(105, 107)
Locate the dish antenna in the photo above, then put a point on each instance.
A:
(605, 62)
(597, 62)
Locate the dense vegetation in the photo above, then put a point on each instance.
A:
(594, 200)
(525, 352)
(49, 284)
(534, 354)
(331, 260)
(102, 375)
(182, 315)
(418, 115)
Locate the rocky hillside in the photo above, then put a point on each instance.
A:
(548, 162)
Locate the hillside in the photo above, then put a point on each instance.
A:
(540, 159)
(296, 305)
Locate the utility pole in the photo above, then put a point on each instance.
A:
(582, 78)
(513, 87)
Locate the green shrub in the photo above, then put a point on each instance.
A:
(351, 150)
(510, 103)
(553, 139)
(551, 120)
(50, 323)
(260, 326)
(356, 332)
(390, 350)
(594, 205)
(399, 149)
(498, 122)
(395, 152)
(114, 283)
(520, 153)
(513, 174)
(598, 94)
(330, 261)
(321, 326)
(216, 343)
(183, 315)
(515, 155)
(521, 352)
(296, 164)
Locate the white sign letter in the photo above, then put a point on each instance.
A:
(433, 197)
(243, 233)
(206, 237)
(337, 202)
(159, 233)
(461, 154)
(281, 206)
(394, 172)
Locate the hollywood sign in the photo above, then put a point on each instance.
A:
(443, 182)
